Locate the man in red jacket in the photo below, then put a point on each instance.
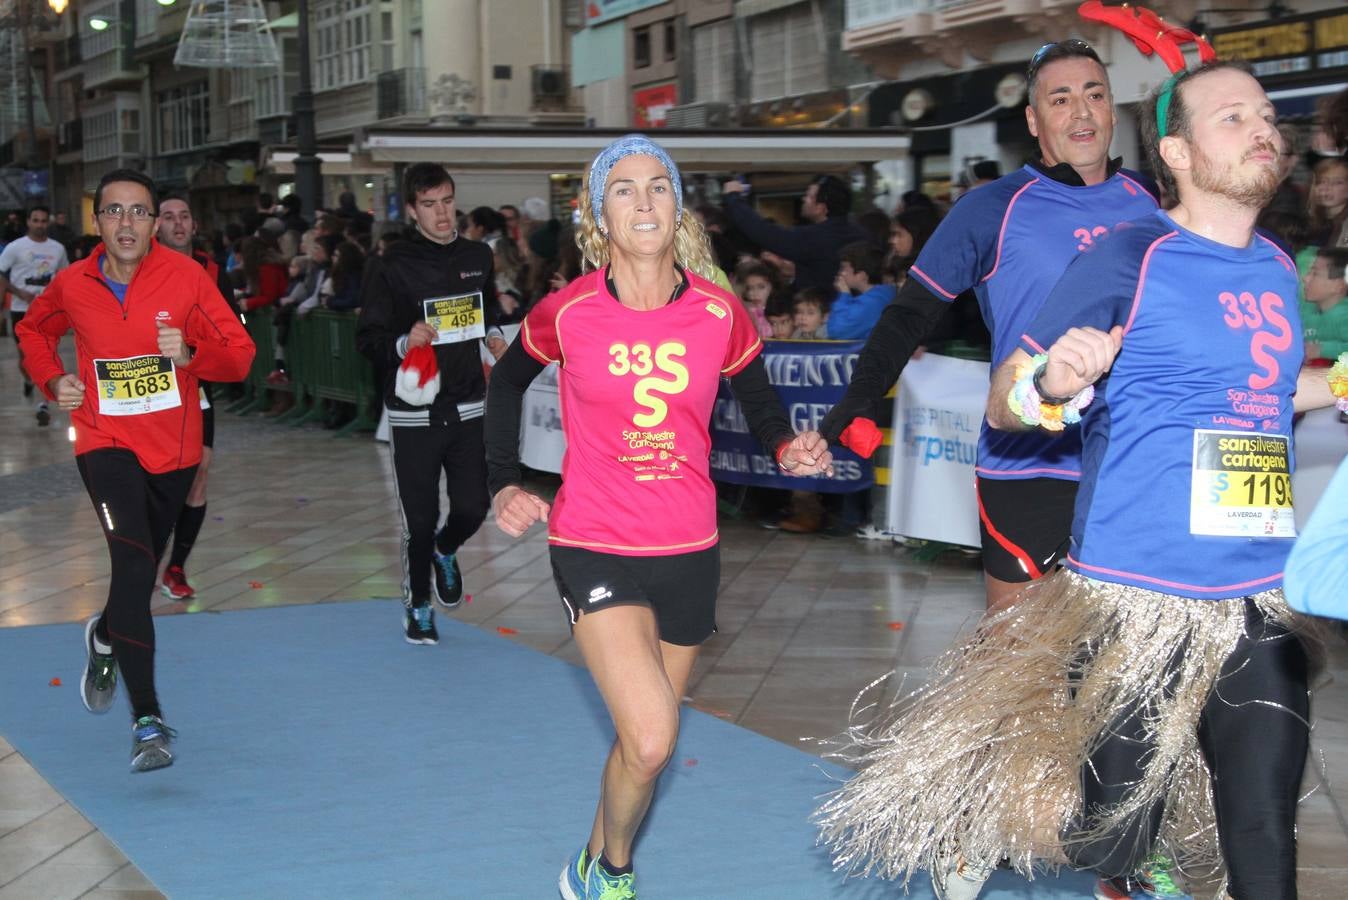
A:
(149, 325)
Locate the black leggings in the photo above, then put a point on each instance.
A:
(420, 453)
(1254, 736)
(136, 510)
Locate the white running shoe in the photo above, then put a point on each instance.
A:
(962, 880)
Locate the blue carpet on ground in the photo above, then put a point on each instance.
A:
(321, 756)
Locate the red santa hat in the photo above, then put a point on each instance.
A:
(418, 378)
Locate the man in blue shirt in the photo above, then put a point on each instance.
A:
(1010, 241)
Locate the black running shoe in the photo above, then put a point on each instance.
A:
(448, 581)
(43, 416)
(419, 625)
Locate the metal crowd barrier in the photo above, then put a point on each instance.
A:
(322, 363)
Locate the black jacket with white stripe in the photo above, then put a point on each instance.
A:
(392, 292)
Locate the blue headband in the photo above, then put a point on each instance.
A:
(630, 145)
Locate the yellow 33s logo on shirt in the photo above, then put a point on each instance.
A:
(639, 359)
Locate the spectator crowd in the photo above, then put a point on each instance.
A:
(827, 275)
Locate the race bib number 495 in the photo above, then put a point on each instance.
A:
(456, 319)
(1242, 485)
(135, 385)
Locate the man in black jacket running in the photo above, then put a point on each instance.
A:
(434, 289)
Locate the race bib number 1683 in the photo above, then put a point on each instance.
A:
(136, 385)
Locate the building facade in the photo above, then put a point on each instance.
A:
(117, 99)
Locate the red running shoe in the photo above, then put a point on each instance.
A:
(175, 584)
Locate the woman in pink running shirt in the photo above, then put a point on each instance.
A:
(642, 340)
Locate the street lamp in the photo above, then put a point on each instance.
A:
(308, 174)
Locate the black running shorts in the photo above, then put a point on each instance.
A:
(680, 590)
(1026, 525)
(208, 418)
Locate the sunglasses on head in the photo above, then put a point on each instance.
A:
(1069, 47)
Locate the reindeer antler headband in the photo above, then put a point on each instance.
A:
(1152, 35)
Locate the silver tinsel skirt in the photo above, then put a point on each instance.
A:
(986, 759)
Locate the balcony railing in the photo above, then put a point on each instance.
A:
(401, 92)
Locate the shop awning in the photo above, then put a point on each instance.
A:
(282, 162)
(559, 150)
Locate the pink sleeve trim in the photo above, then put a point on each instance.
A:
(1001, 474)
(1142, 278)
(927, 280)
(1006, 217)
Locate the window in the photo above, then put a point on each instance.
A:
(184, 117)
(96, 42)
(641, 48)
(67, 100)
(386, 42)
(241, 102)
(111, 131)
(147, 18)
(671, 40)
(789, 54)
(240, 86)
(275, 86)
(501, 73)
(100, 136)
(714, 62)
(342, 32)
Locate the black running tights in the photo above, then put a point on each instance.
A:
(136, 510)
(1254, 734)
(420, 453)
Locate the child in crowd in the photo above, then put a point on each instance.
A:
(297, 271)
(756, 282)
(862, 292)
(810, 314)
(779, 315)
(1324, 315)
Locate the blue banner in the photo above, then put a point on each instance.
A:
(810, 376)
